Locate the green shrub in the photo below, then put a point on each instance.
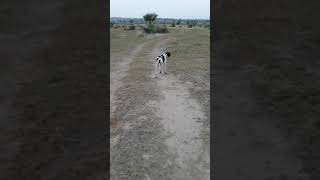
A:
(155, 29)
(149, 29)
(162, 29)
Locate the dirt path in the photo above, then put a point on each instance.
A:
(181, 115)
(160, 137)
(119, 71)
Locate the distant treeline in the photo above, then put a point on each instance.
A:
(118, 20)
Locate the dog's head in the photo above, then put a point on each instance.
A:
(168, 54)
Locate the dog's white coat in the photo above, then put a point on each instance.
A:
(161, 64)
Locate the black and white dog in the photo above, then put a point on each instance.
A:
(161, 62)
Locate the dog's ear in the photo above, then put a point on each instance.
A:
(168, 54)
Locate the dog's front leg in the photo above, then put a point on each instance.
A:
(162, 68)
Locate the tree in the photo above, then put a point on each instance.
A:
(173, 24)
(178, 22)
(150, 18)
(189, 24)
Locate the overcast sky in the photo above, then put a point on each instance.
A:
(184, 9)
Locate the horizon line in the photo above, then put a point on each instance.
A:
(158, 17)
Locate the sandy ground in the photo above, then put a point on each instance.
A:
(119, 71)
(164, 131)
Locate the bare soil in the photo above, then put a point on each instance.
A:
(157, 126)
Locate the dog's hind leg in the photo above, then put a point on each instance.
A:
(162, 67)
(159, 68)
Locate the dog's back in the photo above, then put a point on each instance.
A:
(161, 59)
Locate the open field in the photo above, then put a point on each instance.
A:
(160, 126)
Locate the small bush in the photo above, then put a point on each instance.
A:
(149, 29)
(189, 25)
(155, 29)
(129, 27)
(132, 27)
(162, 29)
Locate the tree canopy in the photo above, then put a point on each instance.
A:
(150, 18)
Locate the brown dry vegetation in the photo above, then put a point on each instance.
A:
(141, 132)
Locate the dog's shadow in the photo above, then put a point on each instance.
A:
(161, 75)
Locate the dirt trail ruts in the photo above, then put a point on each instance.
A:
(156, 134)
(118, 72)
(181, 117)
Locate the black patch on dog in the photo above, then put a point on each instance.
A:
(162, 56)
(168, 54)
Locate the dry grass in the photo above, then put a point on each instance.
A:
(189, 62)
